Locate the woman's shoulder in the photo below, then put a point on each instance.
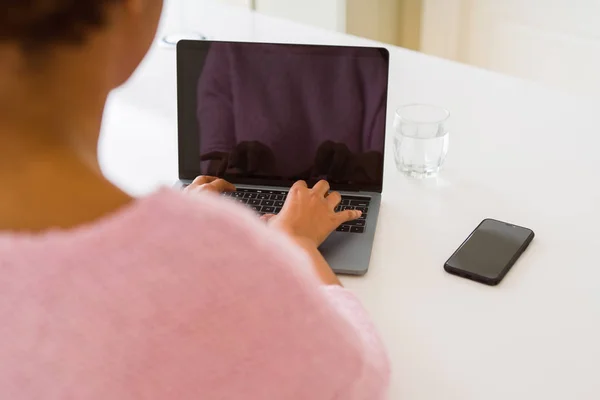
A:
(204, 227)
(170, 246)
(214, 222)
(168, 224)
(216, 230)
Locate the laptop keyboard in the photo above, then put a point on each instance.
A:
(271, 202)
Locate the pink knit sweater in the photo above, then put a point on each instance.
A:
(175, 297)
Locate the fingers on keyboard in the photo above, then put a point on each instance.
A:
(272, 201)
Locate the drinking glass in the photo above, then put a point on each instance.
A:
(420, 139)
(181, 13)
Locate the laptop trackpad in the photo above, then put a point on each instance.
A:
(347, 253)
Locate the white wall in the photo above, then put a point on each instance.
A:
(243, 3)
(327, 14)
(556, 42)
(441, 27)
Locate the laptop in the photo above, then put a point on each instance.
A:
(264, 116)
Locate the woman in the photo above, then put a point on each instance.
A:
(174, 296)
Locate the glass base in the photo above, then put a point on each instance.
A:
(419, 173)
(172, 39)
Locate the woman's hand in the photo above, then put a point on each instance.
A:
(308, 214)
(210, 184)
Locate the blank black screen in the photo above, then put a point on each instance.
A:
(275, 113)
(490, 248)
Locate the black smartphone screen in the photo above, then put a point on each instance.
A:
(490, 251)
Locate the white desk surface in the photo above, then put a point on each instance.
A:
(519, 152)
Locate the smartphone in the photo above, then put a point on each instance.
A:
(489, 252)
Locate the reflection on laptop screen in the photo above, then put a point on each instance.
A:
(279, 113)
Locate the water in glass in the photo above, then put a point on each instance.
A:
(420, 140)
(421, 158)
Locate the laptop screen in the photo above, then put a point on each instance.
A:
(271, 114)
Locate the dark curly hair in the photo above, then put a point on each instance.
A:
(36, 24)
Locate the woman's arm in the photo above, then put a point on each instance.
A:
(253, 320)
(320, 267)
(308, 218)
(314, 338)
